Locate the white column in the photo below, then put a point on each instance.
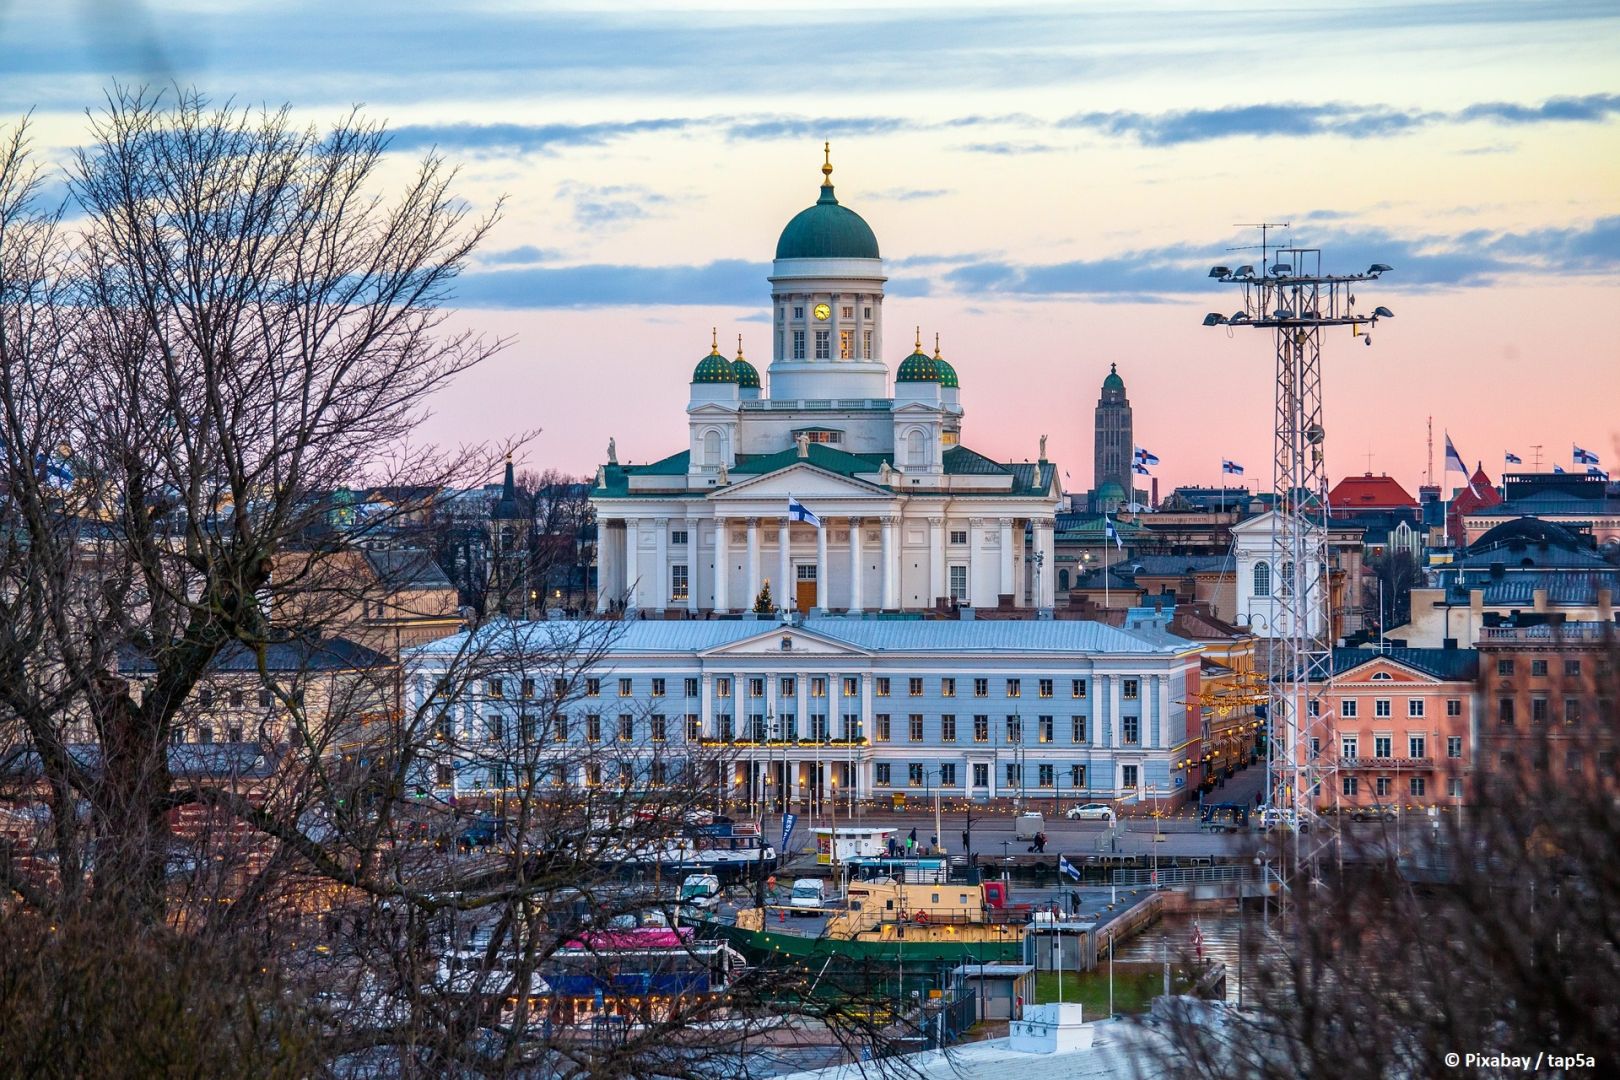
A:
(1114, 715)
(786, 588)
(936, 560)
(801, 702)
(866, 703)
(1007, 558)
(632, 566)
(1165, 738)
(694, 563)
(710, 729)
(661, 564)
(821, 569)
(753, 564)
(1046, 556)
(855, 598)
(975, 531)
(722, 564)
(890, 592)
(608, 540)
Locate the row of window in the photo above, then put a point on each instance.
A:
(1417, 746)
(1538, 668)
(235, 699)
(1045, 729)
(1541, 710)
(1417, 786)
(944, 774)
(882, 686)
(1415, 707)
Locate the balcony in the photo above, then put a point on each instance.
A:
(1387, 764)
(1574, 631)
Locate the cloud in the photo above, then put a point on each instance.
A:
(905, 194)
(610, 205)
(1007, 148)
(1589, 109)
(527, 253)
(724, 282)
(526, 138)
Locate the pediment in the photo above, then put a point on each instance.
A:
(800, 480)
(776, 639)
(1385, 672)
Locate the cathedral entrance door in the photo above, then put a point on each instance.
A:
(804, 594)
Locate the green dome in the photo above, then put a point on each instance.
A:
(947, 374)
(747, 374)
(715, 368)
(1110, 490)
(918, 367)
(1114, 382)
(827, 231)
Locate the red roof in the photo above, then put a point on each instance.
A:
(1481, 496)
(1369, 492)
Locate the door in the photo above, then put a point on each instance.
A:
(804, 594)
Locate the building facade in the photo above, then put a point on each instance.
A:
(910, 518)
(1112, 475)
(793, 714)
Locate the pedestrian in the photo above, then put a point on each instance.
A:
(964, 842)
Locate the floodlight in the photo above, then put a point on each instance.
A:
(1214, 318)
(1383, 312)
(1219, 272)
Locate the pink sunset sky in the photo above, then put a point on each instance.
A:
(1049, 185)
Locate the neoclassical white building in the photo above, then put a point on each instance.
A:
(910, 517)
(1262, 581)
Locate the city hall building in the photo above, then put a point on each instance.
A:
(876, 672)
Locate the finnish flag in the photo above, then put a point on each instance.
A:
(1140, 469)
(1146, 458)
(1112, 533)
(1454, 461)
(1593, 470)
(1512, 458)
(1231, 467)
(1585, 457)
(1558, 468)
(1067, 867)
(799, 512)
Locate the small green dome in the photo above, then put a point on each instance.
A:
(715, 368)
(947, 374)
(1114, 382)
(747, 374)
(1110, 490)
(918, 367)
(827, 230)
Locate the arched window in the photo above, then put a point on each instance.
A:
(1286, 586)
(916, 448)
(1063, 581)
(1262, 579)
(711, 448)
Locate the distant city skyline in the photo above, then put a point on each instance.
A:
(1049, 187)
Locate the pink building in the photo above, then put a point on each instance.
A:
(1395, 729)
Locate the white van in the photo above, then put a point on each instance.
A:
(1029, 825)
(700, 890)
(808, 896)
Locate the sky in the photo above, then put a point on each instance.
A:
(1049, 184)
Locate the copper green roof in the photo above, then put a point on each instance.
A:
(1113, 381)
(715, 368)
(827, 231)
(918, 367)
(947, 374)
(747, 374)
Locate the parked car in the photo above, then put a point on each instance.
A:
(1373, 813)
(1029, 825)
(1091, 811)
(482, 832)
(1277, 817)
(808, 896)
(701, 891)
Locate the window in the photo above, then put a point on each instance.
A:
(1347, 707)
(495, 688)
(562, 727)
(1454, 787)
(593, 727)
(677, 582)
(947, 728)
(1381, 786)
(1350, 785)
(947, 688)
(756, 728)
(626, 688)
(866, 343)
(677, 536)
(1348, 745)
(798, 338)
(442, 727)
(1504, 711)
(881, 723)
(234, 733)
(658, 686)
(823, 344)
(981, 774)
(1046, 688)
(846, 344)
(818, 686)
(1013, 777)
(852, 686)
(880, 774)
(981, 687)
(1013, 688)
(526, 688)
(236, 699)
(1130, 689)
(1414, 706)
(1045, 776)
(265, 699)
(1381, 676)
(1316, 747)
(914, 774)
(852, 726)
(818, 728)
(1419, 786)
(1417, 746)
(866, 313)
(1381, 707)
(914, 687)
(881, 686)
(495, 727)
(959, 537)
(1572, 667)
(1572, 710)
(798, 312)
(1262, 579)
(1454, 746)
(656, 773)
(1045, 734)
(593, 687)
(756, 686)
(691, 688)
(1015, 730)
(1077, 776)
(593, 774)
(1127, 776)
(1454, 706)
(1313, 707)
(1383, 746)
(727, 728)
(694, 727)
(445, 774)
(947, 774)
(914, 726)
(1572, 761)
(722, 688)
(627, 727)
(847, 312)
(1286, 585)
(1077, 729)
(1538, 669)
(1130, 728)
(1504, 668)
(959, 584)
(1538, 710)
(1077, 688)
(657, 727)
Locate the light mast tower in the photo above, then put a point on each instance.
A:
(1296, 301)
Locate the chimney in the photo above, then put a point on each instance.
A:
(1539, 598)
(1605, 604)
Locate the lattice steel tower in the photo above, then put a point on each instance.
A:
(1296, 301)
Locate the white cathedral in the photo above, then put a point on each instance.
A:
(910, 518)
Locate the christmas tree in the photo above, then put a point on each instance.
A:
(763, 604)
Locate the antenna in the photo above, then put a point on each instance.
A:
(1535, 457)
(1265, 228)
(1428, 474)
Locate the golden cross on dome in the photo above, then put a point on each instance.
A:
(826, 164)
(714, 341)
(739, 347)
(936, 344)
(918, 346)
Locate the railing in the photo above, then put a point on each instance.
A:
(799, 404)
(1183, 875)
(1387, 763)
(1582, 631)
